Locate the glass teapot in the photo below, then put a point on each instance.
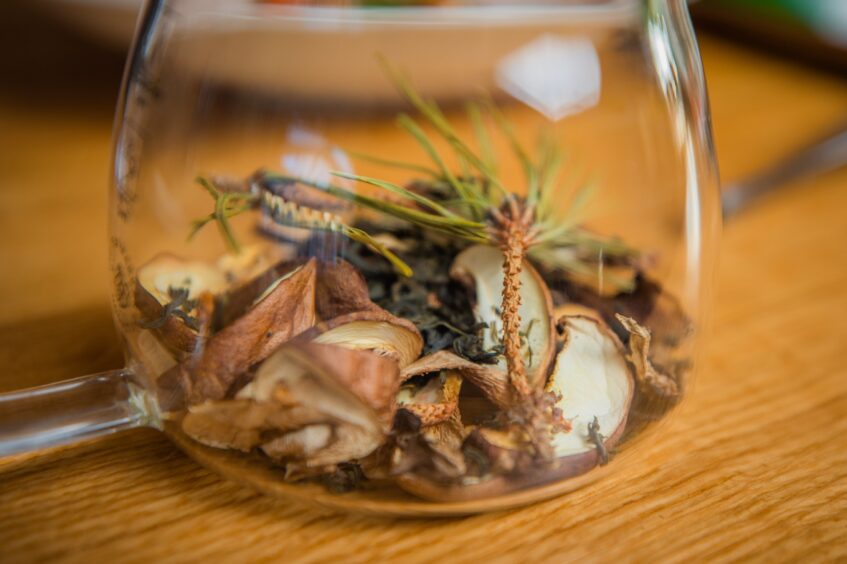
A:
(413, 258)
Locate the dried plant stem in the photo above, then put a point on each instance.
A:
(511, 226)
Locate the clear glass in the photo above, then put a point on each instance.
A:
(420, 259)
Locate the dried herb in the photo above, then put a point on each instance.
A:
(179, 306)
(597, 440)
(472, 348)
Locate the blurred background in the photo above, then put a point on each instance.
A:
(777, 79)
(775, 68)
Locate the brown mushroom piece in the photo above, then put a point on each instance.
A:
(480, 268)
(347, 317)
(341, 290)
(424, 453)
(595, 385)
(354, 391)
(491, 380)
(602, 278)
(434, 401)
(312, 406)
(371, 330)
(168, 293)
(250, 274)
(242, 424)
(650, 381)
(285, 311)
(593, 380)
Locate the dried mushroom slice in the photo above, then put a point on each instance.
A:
(421, 454)
(310, 406)
(243, 424)
(433, 402)
(342, 290)
(603, 278)
(172, 296)
(298, 202)
(354, 391)
(480, 267)
(595, 386)
(252, 274)
(285, 312)
(491, 380)
(371, 330)
(650, 380)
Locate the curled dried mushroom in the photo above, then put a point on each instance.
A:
(312, 406)
(593, 380)
(650, 380)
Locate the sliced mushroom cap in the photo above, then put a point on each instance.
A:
(168, 279)
(371, 330)
(593, 379)
(242, 424)
(601, 277)
(240, 299)
(481, 268)
(313, 406)
(572, 309)
(355, 392)
(491, 380)
(252, 275)
(285, 312)
(296, 372)
(166, 271)
(293, 202)
(433, 402)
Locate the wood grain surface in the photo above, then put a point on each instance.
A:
(753, 468)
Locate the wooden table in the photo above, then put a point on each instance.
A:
(755, 466)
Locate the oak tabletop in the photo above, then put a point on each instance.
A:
(753, 467)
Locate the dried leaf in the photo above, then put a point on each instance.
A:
(650, 380)
(287, 311)
(491, 380)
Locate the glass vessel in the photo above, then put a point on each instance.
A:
(409, 258)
